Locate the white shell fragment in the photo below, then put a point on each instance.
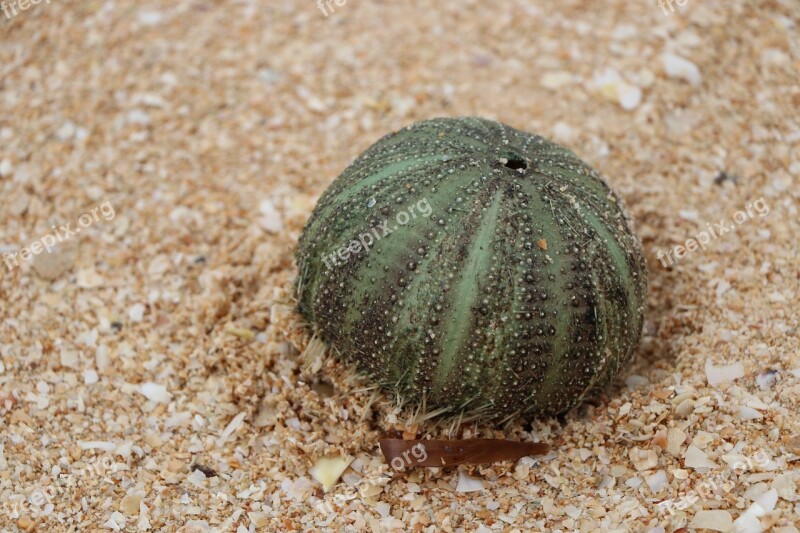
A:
(678, 67)
(748, 522)
(97, 445)
(328, 470)
(724, 373)
(232, 426)
(748, 413)
(697, 458)
(713, 520)
(657, 481)
(643, 459)
(767, 379)
(675, 439)
(270, 217)
(467, 483)
(155, 392)
(136, 312)
(610, 84)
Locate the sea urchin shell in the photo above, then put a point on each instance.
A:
(469, 266)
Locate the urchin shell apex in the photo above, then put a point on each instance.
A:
(471, 267)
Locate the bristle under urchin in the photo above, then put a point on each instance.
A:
(519, 293)
(318, 357)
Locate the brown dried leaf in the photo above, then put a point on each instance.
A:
(421, 452)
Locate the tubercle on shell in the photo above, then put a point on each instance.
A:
(522, 292)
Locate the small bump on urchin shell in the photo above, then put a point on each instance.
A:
(495, 272)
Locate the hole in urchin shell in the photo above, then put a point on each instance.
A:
(514, 161)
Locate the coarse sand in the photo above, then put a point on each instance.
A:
(158, 161)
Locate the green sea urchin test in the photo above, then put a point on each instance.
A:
(471, 267)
